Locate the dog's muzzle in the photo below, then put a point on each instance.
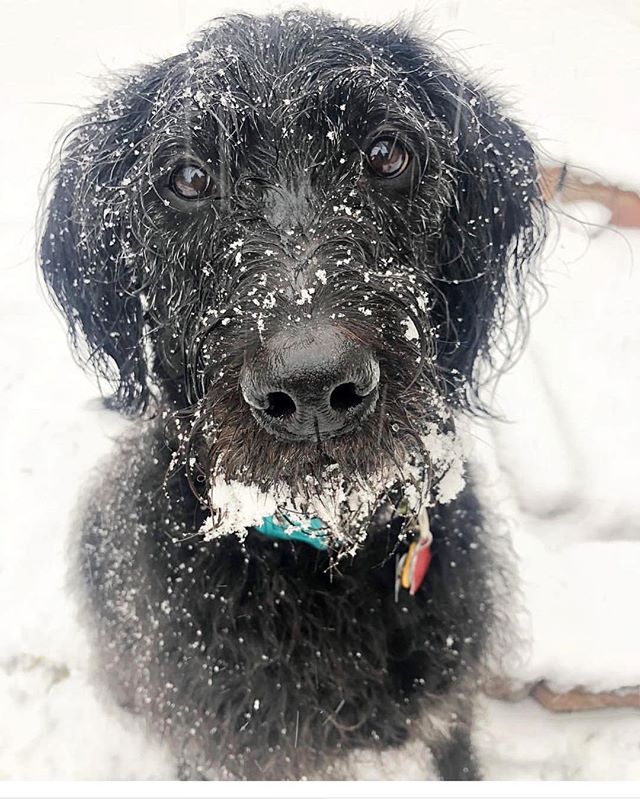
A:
(311, 384)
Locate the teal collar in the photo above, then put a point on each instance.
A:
(312, 532)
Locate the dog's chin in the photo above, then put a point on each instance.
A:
(342, 502)
(345, 483)
(299, 464)
(226, 440)
(342, 482)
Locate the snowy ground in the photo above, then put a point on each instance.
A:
(566, 472)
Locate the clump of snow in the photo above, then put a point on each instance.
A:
(447, 453)
(343, 506)
(411, 332)
(451, 483)
(240, 506)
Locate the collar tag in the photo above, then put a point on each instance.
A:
(413, 566)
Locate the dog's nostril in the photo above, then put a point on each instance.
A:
(344, 397)
(280, 405)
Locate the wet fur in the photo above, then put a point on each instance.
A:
(193, 633)
(161, 302)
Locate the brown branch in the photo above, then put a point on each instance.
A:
(565, 186)
(578, 699)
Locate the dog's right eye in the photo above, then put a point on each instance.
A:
(190, 182)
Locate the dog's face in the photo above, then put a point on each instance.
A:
(304, 234)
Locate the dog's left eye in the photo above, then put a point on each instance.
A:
(190, 182)
(388, 157)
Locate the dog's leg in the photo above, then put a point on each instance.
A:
(454, 757)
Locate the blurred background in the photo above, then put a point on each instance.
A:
(562, 469)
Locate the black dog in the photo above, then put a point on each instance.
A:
(297, 244)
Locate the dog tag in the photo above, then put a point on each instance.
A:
(413, 567)
(422, 553)
(420, 565)
(407, 567)
(399, 567)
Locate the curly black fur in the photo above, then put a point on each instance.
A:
(264, 659)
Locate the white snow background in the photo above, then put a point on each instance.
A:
(563, 471)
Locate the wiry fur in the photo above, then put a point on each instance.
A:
(263, 659)
(194, 633)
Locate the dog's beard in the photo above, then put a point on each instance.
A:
(244, 475)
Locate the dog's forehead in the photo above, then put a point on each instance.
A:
(279, 69)
(272, 48)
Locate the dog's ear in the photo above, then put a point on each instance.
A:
(490, 234)
(494, 223)
(86, 229)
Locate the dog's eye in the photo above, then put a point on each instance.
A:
(388, 157)
(190, 182)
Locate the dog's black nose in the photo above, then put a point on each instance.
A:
(309, 384)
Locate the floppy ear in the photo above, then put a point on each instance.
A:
(494, 223)
(85, 236)
(494, 226)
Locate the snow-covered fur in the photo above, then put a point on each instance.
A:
(302, 179)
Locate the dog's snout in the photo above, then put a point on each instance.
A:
(317, 383)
